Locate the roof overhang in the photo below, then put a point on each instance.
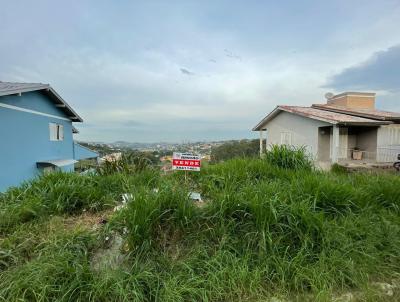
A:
(63, 105)
(365, 122)
(279, 109)
(27, 88)
(56, 163)
(357, 113)
(50, 92)
(270, 116)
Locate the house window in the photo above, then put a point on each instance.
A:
(56, 132)
(286, 138)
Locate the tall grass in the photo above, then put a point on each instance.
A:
(129, 163)
(67, 193)
(289, 157)
(265, 230)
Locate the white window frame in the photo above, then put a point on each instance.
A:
(56, 132)
(286, 138)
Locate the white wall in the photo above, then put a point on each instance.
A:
(388, 143)
(304, 131)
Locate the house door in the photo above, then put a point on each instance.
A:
(343, 142)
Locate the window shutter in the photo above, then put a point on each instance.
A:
(53, 131)
(56, 132)
(60, 132)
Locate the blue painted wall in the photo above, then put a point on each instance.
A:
(25, 138)
(35, 100)
(81, 152)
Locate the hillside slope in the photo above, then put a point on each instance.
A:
(261, 233)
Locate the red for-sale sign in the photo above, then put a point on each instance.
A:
(186, 161)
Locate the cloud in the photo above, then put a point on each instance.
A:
(187, 72)
(186, 69)
(231, 55)
(380, 72)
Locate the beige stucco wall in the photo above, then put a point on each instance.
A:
(356, 102)
(361, 102)
(304, 131)
(342, 101)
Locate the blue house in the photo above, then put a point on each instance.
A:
(36, 133)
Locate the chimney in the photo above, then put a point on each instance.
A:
(353, 100)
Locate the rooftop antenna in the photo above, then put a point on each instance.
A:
(329, 95)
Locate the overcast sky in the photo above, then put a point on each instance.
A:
(146, 71)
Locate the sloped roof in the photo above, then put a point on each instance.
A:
(368, 113)
(9, 88)
(321, 115)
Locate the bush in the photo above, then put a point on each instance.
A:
(336, 168)
(289, 157)
(129, 163)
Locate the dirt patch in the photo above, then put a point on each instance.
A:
(110, 257)
(169, 241)
(88, 220)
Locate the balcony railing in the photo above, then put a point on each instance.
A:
(382, 154)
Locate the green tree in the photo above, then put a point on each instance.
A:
(228, 150)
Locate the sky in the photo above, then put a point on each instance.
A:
(173, 71)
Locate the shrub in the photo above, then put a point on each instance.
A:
(129, 163)
(149, 211)
(336, 168)
(289, 157)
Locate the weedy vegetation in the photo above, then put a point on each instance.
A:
(128, 164)
(271, 227)
(289, 157)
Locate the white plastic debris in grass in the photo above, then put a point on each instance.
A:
(126, 197)
(195, 196)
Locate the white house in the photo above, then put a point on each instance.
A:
(346, 128)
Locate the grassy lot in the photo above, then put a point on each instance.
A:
(263, 233)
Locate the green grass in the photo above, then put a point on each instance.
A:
(289, 157)
(265, 230)
(66, 193)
